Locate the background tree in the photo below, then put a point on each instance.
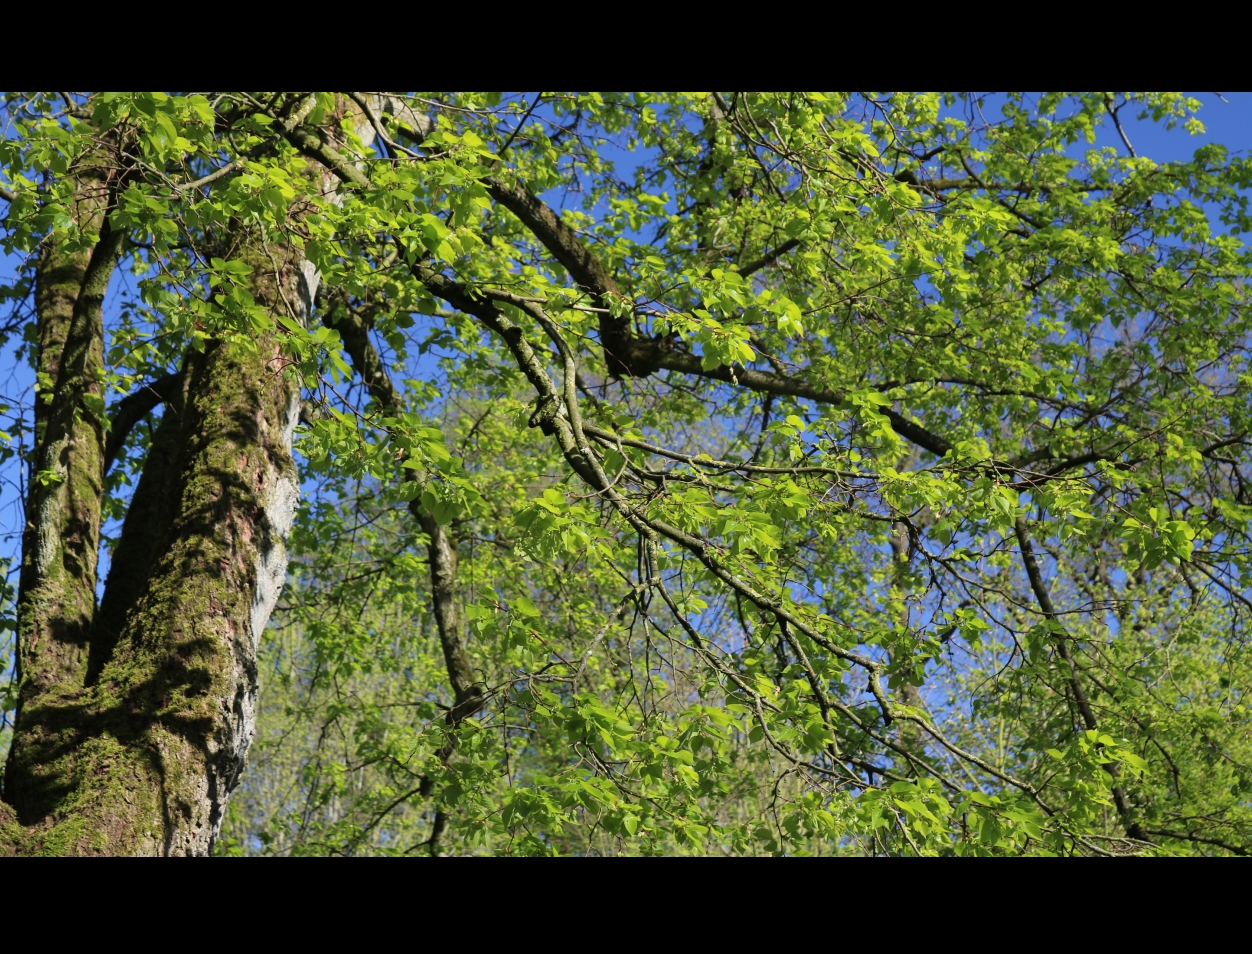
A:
(718, 472)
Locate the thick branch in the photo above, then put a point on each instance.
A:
(641, 357)
(1199, 839)
(144, 530)
(587, 271)
(354, 332)
(132, 409)
(88, 309)
(467, 689)
(771, 383)
(624, 353)
(769, 258)
(311, 144)
(557, 237)
(442, 550)
(1044, 599)
(56, 598)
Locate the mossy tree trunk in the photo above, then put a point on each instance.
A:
(135, 713)
(135, 717)
(60, 539)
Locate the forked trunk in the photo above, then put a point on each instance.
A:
(138, 752)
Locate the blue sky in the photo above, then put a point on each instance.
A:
(1227, 118)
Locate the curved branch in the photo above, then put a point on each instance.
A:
(557, 237)
(555, 418)
(616, 335)
(1200, 839)
(132, 409)
(625, 354)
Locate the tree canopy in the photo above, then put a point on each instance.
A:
(795, 473)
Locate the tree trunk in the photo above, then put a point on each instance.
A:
(60, 541)
(139, 755)
(134, 718)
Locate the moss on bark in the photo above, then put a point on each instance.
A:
(150, 514)
(57, 585)
(142, 760)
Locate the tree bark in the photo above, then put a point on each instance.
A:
(134, 719)
(60, 541)
(147, 516)
(142, 759)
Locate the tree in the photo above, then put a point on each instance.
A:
(744, 472)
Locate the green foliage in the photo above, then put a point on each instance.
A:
(778, 601)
